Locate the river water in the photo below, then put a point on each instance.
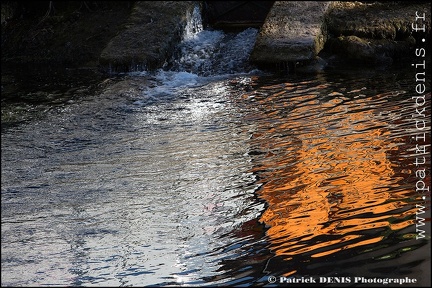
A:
(212, 173)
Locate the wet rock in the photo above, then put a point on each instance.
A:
(365, 33)
(369, 51)
(376, 20)
(293, 31)
(62, 34)
(374, 33)
(353, 48)
(152, 32)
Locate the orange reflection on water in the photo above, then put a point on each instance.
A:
(332, 180)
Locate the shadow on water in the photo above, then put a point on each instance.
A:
(29, 92)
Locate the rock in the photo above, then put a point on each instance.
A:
(153, 30)
(121, 36)
(376, 33)
(65, 34)
(366, 33)
(369, 51)
(391, 20)
(293, 31)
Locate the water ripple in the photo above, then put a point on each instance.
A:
(222, 183)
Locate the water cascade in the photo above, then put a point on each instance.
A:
(206, 52)
(202, 56)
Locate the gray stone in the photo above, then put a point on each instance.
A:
(377, 33)
(150, 37)
(293, 31)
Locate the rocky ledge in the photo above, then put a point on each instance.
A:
(125, 36)
(376, 33)
(362, 33)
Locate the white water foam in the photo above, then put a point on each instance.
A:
(194, 24)
(202, 55)
(213, 52)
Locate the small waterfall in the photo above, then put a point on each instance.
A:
(194, 24)
(207, 52)
(202, 55)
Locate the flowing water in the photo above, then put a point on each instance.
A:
(209, 172)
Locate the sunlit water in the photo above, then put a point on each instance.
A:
(212, 173)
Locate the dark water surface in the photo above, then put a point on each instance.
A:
(225, 181)
(203, 179)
